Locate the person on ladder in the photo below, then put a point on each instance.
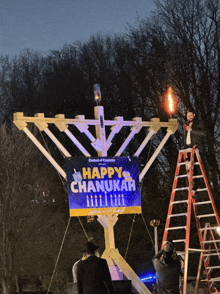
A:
(168, 270)
(193, 134)
(193, 131)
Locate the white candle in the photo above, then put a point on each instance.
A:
(119, 200)
(106, 202)
(96, 201)
(92, 201)
(87, 200)
(115, 201)
(123, 200)
(100, 200)
(111, 201)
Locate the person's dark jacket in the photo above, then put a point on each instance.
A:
(197, 135)
(168, 274)
(93, 277)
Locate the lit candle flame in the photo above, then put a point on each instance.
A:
(170, 100)
(97, 92)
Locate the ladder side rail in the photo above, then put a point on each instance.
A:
(202, 245)
(185, 157)
(216, 247)
(208, 187)
(188, 219)
(200, 264)
(198, 274)
(207, 263)
(209, 250)
(186, 259)
(171, 199)
(216, 216)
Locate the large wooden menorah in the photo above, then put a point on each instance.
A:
(101, 144)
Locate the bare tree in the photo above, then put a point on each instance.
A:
(27, 197)
(191, 29)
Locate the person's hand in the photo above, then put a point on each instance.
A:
(189, 127)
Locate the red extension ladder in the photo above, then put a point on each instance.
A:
(184, 198)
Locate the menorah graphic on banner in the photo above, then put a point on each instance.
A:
(111, 200)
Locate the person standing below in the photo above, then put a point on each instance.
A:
(168, 270)
(93, 276)
(74, 269)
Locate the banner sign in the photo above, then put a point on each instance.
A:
(103, 185)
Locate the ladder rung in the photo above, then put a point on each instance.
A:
(196, 163)
(213, 267)
(212, 254)
(181, 176)
(180, 240)
(210, 241)
(209, 228)
(180, 252)
(198, 177)
(185, 150)
(201, 189)
(210, 250)
(177, 214)
(181, 189)
(176, 228)
(205, 215)
(202, 202)
(180, 201)
(183, 163)
(214, 279)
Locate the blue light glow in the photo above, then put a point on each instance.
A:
(150, 277)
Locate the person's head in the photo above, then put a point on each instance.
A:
(91, 248)
(168, 250)
(190, 114)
